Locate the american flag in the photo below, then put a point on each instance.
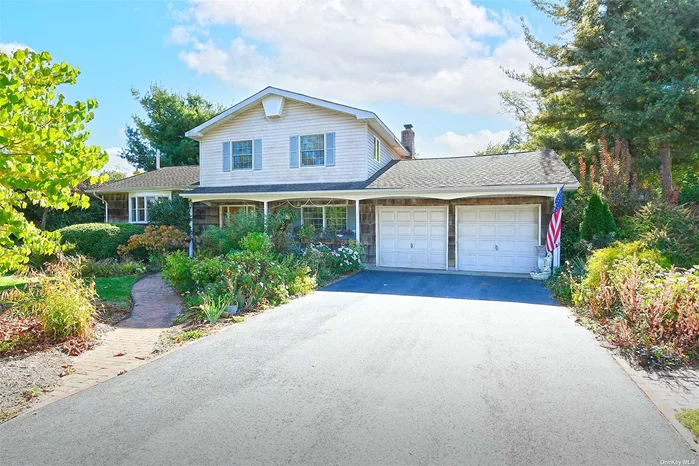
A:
(553, 236)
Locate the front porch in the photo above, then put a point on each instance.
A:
(341, 217)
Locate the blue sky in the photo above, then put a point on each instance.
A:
(435, 65)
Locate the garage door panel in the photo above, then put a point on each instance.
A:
(486, 216)
(506, 216)
(507, 231)
(412, 237)
(421, 230)
(403, 216)
(421, 216)
(514, 229)
(485, 231)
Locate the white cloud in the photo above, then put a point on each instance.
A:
(430, 54)
(9, 47)
(117, 163)
(452, 144)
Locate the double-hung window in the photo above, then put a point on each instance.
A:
(377, 149)
(312, 150)
(241, 155)
(333, 218)
(139, 207)
(312, 216)
(336, 218)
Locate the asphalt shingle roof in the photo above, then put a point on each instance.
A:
(522, 168)
(164, 178)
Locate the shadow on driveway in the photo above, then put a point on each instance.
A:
(436, 285)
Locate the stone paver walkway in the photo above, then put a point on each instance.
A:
(155, 307)
(670, 391)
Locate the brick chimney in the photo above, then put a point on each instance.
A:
(407, 138)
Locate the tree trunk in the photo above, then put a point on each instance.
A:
(666, 171)
(44, 214)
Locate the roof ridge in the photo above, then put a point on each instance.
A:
(477, 155)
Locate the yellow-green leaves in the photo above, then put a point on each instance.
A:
(43, 151)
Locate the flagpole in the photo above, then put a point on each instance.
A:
(557, 250)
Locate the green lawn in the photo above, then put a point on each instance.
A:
(690, 419)
(8, 281)
(116, 289)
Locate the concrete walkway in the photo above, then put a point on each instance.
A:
(155, 307)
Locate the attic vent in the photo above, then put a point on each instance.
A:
(274, 106)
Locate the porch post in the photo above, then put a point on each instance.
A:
(265, 207)
(356, 220)
(191, 228)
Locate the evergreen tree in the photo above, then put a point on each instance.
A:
(597, 219)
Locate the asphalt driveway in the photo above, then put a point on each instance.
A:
(381, 368)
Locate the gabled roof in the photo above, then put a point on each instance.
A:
(522, 169)
(364, 115)
(166, 178)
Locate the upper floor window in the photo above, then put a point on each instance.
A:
(139, 207)
(377, 149)
(312, 150)
(241, 155)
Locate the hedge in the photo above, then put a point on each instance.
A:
(99, 240)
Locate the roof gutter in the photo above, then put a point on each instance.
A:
(548, 190)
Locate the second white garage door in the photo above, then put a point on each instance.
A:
(413, 237)
(497, 238)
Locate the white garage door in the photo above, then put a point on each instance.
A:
(414, 237)
(497, 238)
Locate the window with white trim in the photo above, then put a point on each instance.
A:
(377, 149)
(312, 149)
(241, 155)
(226, 212)
(312, 216)
(138, 207)
(336, 218)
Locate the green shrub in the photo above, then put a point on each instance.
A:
(672, 229)
(188, 335)
(98, 240)
(574, 204)
(689, 189)
(170, 212)
(110, 268)
(256, 243)
(602, 260)
(222, 240)
(564, 279)
(177, 270)
(597, 219)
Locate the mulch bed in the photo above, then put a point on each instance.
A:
(32, 363)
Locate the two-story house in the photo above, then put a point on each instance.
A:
(343, 169)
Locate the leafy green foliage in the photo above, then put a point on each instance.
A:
(602, 261)
(671, 229)
(170, 212)
(187, 336)
(622, 68)
(59, 298)
(222, 240)
(168, 116)
(214, 306)
(689, 189)
(110, 268)
(43, 151)
(98, 240)
(597, 219)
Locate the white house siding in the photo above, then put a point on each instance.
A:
(298, 119)
(387, 154)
